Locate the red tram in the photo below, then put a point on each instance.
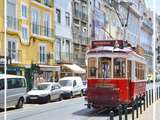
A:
(116, 74)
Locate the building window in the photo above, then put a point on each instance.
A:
(67, 19)
(11, 8)
(46, 24)
(24, 33)
(35, 19)
(12, 49)
(11, 15)
(24, 11)
(58, 15)
(58, 49)
(42, 54)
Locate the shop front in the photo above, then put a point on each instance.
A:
(72, 70)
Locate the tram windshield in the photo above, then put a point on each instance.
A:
(104, 67)
(119, 67)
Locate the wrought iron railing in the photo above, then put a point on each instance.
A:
(12, 23)
(14, 55)
(48, 3)
(42, 30)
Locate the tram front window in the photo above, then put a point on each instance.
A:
(92, 67)
(104, 65)
(119, 68)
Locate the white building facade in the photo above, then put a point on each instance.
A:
(63, 31)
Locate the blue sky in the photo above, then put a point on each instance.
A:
(149, 4)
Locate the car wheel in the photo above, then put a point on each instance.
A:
(81, 94)
(60, 97)
(48, 98)
(71, 95)
(20, 103)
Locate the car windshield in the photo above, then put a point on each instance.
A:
(42, 87)
(65, 83)
(84, 82)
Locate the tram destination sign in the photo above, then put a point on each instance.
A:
(114, 43)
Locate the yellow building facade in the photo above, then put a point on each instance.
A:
(30, 38)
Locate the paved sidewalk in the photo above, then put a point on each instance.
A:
(148, 113)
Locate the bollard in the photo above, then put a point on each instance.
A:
(144, 103)
(140, 104)
(126, 112)
(111, 114)
(157, 93)
(120, 112)
(136, 106)
(152, 96)
(132, 111)
(147, 99)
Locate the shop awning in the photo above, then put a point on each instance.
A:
(75, 68)
(49, 68)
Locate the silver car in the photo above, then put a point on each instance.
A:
(45, 92)
(16, 90)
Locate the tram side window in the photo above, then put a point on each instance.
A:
(92, 67)
(104, 65)
(119, 68)
(129, 70)
(140, 71)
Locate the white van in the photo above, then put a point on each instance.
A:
(16, 89)
(71, 86)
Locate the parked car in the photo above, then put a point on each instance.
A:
(45, 92)
(71, 86)
(16, 90)
(84, 87)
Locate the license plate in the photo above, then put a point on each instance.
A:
(33, 97)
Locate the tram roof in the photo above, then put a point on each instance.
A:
(110, 49)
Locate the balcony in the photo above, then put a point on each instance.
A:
(79, 58)
(14, 55)
(148, 53)
(76, 13)
(148, 24)
(48, 3)
(64, 57)
(46, 59)
(84, 16)
(80, 37)
(42, 30)
(12, 23)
